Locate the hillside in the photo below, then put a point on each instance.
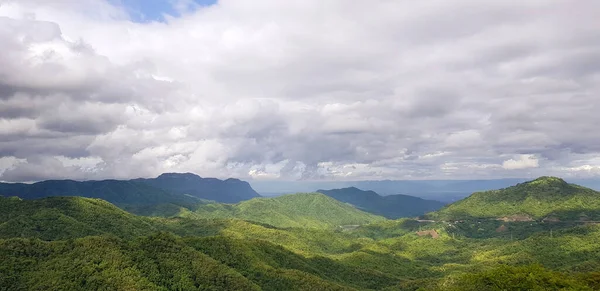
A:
(158, 262)
(67, 217)
(225, 191)
(115, 191)
(392, 206)
(92, 244)
(163, 261)
(543, 198)
(309, 210)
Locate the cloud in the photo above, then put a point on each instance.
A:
(300, 90)
(523, 162)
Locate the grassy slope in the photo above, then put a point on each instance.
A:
(540, 198)
(309, 210)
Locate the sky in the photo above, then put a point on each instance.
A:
(159, 10)
(299, 90)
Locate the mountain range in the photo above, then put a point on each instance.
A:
(77, 243)
(391, 206)
(295, 242)
(439, 190)
(115, 191)
(168, 188)
(172, 193)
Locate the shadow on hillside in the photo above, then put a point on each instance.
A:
(192, 227)
(516, 230)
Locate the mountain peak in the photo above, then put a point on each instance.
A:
(228, 191)
(547, 180)
(547, 184)
(537, 198)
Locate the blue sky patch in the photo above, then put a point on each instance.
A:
(155, 10)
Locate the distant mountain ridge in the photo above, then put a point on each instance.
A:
(170, 188)
(226, 191)
(118, 192)
(391, 206)
(549, 198)
(440, 190)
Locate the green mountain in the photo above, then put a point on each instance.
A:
(115, 191)
(308, 210)
(89, 244)
(67, 217)
(391, 206)
(225, 191)
(92, 244)
(547, 198)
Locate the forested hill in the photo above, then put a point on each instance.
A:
(307, 210)
(548, 198)
(391, 206)
(226, 191)
(55, 218)
(75, 243)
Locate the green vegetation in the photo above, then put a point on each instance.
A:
(308, 210)
(57, 218)
(72, 243)
(157, 262)
(391, 206)
(532, 277)
(546, 197)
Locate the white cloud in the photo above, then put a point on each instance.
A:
(585, 168)
(522, 162)
(300, 89)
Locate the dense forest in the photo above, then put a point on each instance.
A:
(547, 198)
(76, 243)
(306, 210)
